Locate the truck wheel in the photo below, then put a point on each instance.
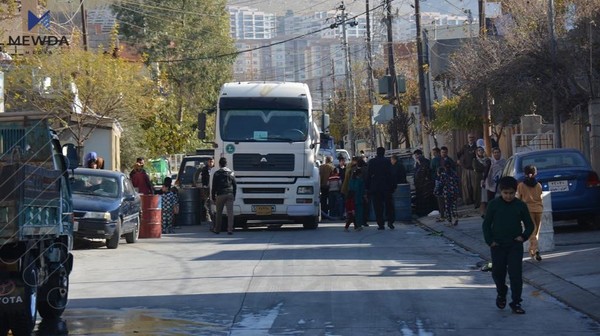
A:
(53, 295)
(239, 222)
(3, 325)
(133, 236)
(311, 223)
(113, 242)
(22, 322)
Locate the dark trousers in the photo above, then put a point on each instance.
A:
(324, 198)
(383, 200)
(509, 258)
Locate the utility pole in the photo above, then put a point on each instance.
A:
(370, 77)
(393, 95)
(485, 102)
(83, 26)
(422, 95)
(555, 114)
(341, 20)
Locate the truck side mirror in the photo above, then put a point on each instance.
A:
(201, 125)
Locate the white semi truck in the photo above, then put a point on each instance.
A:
(267, 133)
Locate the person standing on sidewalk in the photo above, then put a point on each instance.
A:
(504, 235)
(468, 184)
(530, 192)
(380, 182)
(205, 183)
(325, 171)
(223, 193)
(140, 179)
(481, 164)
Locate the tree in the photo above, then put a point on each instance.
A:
(189, 46)
(517, 67)
(82, 90)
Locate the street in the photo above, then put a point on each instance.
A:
(290, 281)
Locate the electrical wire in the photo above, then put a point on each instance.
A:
(347, 19)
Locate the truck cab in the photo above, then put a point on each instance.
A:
(36, 221)
(267, 133)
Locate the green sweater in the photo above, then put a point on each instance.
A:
(502, 223)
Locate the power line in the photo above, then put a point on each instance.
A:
(347, 19)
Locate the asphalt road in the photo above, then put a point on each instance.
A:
(291, 281)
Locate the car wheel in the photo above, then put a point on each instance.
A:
(133, 236)
(113, 242)
(53, 294)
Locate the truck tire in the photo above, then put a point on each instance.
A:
(22, 322)
(310, 223)
(3, 325)
(53, 294)
(133, 236)
(113, 242)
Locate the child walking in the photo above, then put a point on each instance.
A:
(351, 212)
(170, 202)
(504, 234)
(530, 192)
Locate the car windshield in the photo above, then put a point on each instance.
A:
(543, 161)
(188, 168)
(95, 185)
(263, 125)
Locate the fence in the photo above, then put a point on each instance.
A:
(530, 142)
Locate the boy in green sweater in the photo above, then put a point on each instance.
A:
(504, 234)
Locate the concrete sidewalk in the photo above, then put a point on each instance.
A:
(571, 272)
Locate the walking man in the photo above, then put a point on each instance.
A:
(381, 184)
(223, 193)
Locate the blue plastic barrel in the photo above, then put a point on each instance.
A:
(402, 204)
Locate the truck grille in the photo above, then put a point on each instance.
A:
(269, 162)
(263, 190)
(263, 201)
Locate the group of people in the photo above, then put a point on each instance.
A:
(222, 193)
(346, 190)
(472, 178)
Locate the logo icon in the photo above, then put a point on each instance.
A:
(7, 287)
(33, 20)
(230, 148)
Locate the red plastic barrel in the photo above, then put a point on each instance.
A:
(151, 224)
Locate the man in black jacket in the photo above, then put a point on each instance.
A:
(223, 193)
(380, 183)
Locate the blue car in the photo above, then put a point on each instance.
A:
(105, 206)
(569, 176)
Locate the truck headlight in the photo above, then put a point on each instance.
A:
(305, 190)
(97, 215)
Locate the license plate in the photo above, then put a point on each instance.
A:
(263, 210)
(558, 185)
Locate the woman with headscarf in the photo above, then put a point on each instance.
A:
(481, 164)
(494, 173)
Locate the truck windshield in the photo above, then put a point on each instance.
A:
(263, 125)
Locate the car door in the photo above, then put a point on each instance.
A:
(129, 206)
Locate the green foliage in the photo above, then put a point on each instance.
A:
(186, 42)
(458, 112)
